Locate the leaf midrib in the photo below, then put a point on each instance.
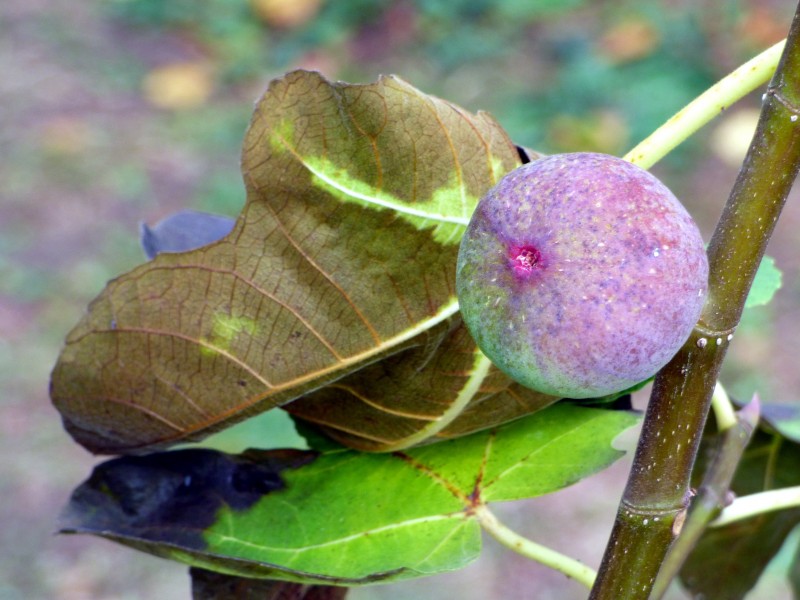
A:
(223, 538)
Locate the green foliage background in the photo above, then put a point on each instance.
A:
(89, 153)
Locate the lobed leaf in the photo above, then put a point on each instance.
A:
(339, 516)
(445, 388)
(344, 255)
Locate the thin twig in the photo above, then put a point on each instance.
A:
(734, 86)
(746, 507)
(530, 549)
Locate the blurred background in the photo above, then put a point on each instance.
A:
(123, 111)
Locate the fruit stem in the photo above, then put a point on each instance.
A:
(731, 88)
(657, 495)
(530, 549)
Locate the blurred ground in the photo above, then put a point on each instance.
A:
(117, 112)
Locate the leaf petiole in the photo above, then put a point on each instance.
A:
(734, 86)
(753, 505)
(542, 554)
(723, 409)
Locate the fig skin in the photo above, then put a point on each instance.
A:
(581, 275)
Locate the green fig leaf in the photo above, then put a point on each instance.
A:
(344, 255)
(728, 561)
(339, 516)
(768, 280)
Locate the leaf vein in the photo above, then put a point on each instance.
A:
(335, 542)
(372, 331)
(538, 450)
(146, 411)
(238, 276)
(368, 401)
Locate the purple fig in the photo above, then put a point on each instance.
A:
(581, 275)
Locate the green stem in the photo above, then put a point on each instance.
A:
(753, 505)
(734, 86)
(530, 549)
(723, 409)
(659, 482)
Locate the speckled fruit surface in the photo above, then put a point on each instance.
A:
(581, 275)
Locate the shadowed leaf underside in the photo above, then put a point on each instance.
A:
(344, 255)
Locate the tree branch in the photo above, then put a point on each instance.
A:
(712, 495)
(657, 495)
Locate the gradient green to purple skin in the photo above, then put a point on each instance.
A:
(590, 318)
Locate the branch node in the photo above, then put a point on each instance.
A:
(715, 335)
(775, 93)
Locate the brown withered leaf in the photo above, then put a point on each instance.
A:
(443, 390)
(344, 254)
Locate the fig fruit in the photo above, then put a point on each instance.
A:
(581, 275)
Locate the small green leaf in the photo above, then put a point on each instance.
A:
(768, 280)
(340, 516)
